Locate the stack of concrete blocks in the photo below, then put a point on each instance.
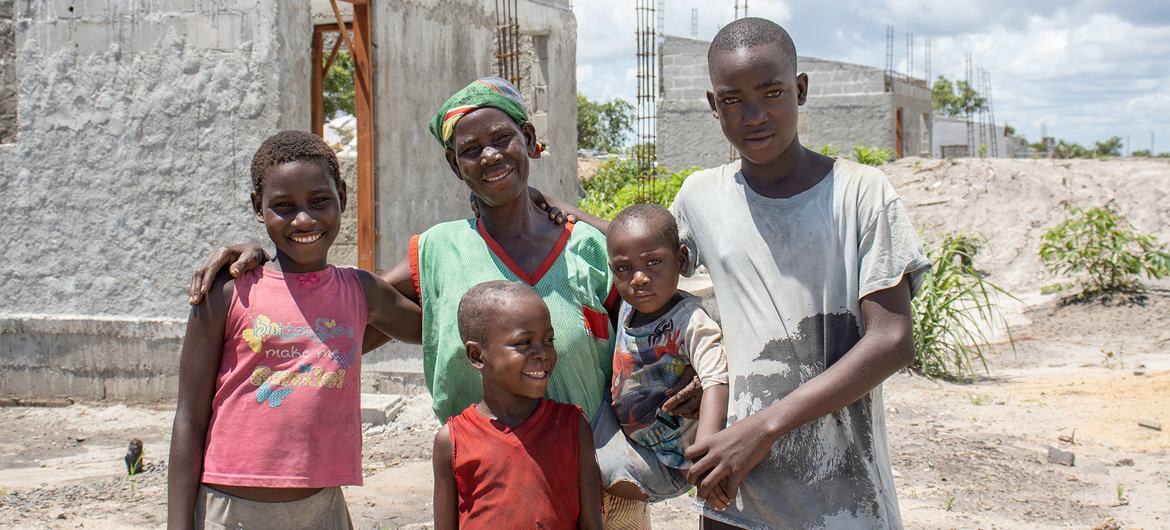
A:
(847, 105)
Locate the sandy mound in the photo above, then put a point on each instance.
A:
(1010, 203)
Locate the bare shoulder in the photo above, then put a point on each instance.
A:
(584, 429)
(371, 285)
(442, 445)
(219, 296)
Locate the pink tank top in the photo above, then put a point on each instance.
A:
(287, 406)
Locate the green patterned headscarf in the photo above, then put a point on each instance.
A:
(491, 92)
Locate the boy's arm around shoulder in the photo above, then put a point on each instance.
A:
(446, 497)
(390, 311)
(888, 346)
(198, 369)
(589, 478)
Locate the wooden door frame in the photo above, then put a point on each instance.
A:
(898, 129)
(359, 46)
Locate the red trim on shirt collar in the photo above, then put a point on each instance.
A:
(530, 279)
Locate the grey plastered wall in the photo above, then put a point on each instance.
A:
(137, 122)
(917, 117)
(7, 71)
(424, 51)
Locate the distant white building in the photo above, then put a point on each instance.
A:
(950, 140)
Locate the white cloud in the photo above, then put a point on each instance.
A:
(1090, 69)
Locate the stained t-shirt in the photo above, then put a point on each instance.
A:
(789, 275)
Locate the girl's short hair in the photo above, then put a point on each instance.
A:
(293, 146)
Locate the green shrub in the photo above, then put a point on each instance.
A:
(952, 301)
(830, 150)
(1107, 252)
(616, 186)
(871, 156)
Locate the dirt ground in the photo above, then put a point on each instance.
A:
(964, 455)
(975, 455)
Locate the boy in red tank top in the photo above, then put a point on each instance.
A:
(515, 459)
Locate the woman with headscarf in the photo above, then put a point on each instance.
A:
(488, 141)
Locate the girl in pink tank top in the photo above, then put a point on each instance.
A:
(268, 424)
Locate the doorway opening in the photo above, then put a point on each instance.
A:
(342, 85)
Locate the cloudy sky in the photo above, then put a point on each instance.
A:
(1089, 69)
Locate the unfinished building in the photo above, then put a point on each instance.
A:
(126, 133)
(952, 134)
(847, 105)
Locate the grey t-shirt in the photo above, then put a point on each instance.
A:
(789, 275)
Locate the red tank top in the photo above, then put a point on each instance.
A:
(517, 478)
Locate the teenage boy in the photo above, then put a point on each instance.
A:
(814, 262)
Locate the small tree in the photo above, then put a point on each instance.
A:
(338, 86)
(603, 125)
(955, 99)
(1064, 149)
(1103, 247)
(871, 156)
(1110, 147)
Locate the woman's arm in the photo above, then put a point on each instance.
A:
(391, 313)
(589, 479)
(446, 498)
(198, 368)
(242, 257)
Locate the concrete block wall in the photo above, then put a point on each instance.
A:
(847, 105)
(833, 78)
(689, 136)
(137, 123)
(684, 68)
(847, 120)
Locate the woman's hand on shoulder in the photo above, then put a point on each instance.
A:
(239, 258)
(556, 214)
